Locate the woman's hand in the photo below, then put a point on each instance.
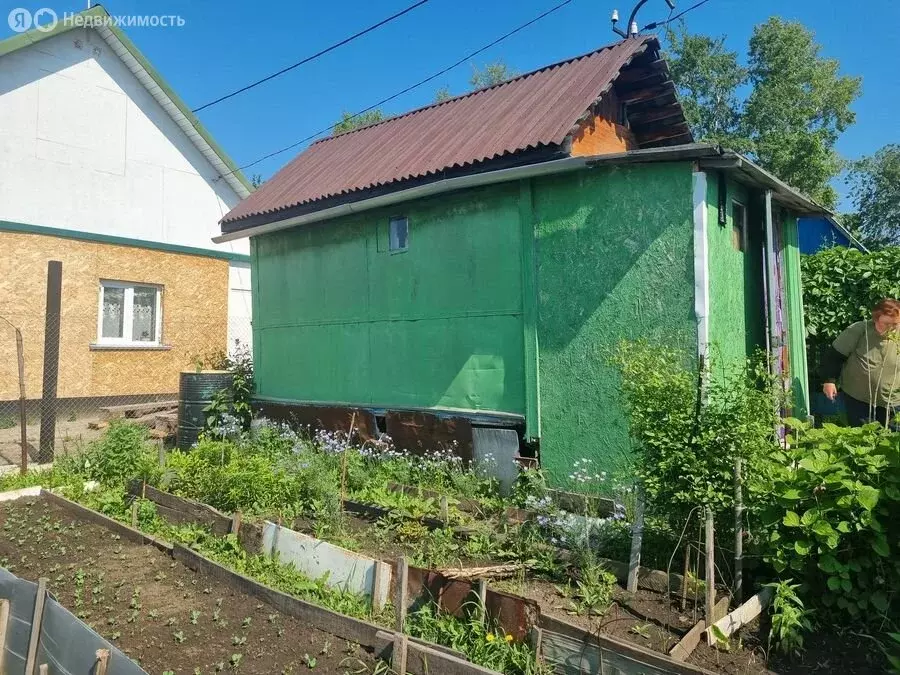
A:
(830, 390)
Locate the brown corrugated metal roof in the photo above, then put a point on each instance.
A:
(533, 111)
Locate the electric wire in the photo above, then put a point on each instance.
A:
(311, 57)
(407, 89)
(656, 24)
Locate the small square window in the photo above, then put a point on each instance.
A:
(399, 233)
(738, 226)
(129, 314)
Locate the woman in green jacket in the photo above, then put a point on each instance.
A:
(865, 359)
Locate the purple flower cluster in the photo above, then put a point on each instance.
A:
(227, 427)
(584, 473)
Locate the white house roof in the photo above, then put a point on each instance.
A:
(150, 78)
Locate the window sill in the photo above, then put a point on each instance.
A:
(100, 347)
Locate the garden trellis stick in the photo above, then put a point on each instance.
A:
(637, 533)
(23, 418)
(738, 531)
(710, 566)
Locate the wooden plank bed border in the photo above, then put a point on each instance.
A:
(348, 628)
(121, 529)
(181, 509)
(424, 658)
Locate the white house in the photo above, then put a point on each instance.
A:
(103, 167)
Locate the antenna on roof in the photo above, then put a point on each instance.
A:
(632, 22)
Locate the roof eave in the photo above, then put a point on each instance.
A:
(706, 155)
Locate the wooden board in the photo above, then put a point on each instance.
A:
(689, 642)
(114, 411)
(742, 615)
(181, 510)
(344, 627)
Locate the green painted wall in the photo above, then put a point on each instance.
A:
(614, 258)
(736, 310)
(339, 318)
(799, 374)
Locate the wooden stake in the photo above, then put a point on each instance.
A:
(23, 418)
(481, 589)
(685, 573)
(134, 514)
(710, 567)
(36, 620)
(4, 624)
(43, 669)
(377, 582)
(738, 532)
(161, 449)
(537, 641)
(102, 662)
(398, 660)
(402, 579)
(637, 534)
(445, 510)
(236, 522)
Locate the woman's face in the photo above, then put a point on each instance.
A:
(886, 324)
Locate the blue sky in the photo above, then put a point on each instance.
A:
(225, 44)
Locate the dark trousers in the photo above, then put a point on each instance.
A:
(858, 412)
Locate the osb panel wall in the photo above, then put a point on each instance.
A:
(599, 136)
(194, 314)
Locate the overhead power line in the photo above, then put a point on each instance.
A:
(408, 89)
(311, 57)
(656, 24)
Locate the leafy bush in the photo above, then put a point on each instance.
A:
(790, 619)
(833, 518)
(840, 287)
(482, 642)
(686, 443)
(119, 455)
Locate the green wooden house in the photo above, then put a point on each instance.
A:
(468, 266)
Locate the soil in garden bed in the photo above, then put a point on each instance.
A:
(650, 620)
(156, 610)
(824, 653)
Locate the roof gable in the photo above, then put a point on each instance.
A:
(150, 78)
(526, 119)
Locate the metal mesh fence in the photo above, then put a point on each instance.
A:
(80, 371)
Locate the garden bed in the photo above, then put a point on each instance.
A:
(156, 610)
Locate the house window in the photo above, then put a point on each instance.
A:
(130, 314)
(399, 233)
(738, 226)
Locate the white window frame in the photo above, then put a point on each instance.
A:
(127, 321)
(391, 222)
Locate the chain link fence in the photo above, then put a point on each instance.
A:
(82, 369)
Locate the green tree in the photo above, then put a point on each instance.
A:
(799, 106)
(350, 121)
(708, 77)
(797, 102)
(493, 73)
(875, 181)
(442, 94)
